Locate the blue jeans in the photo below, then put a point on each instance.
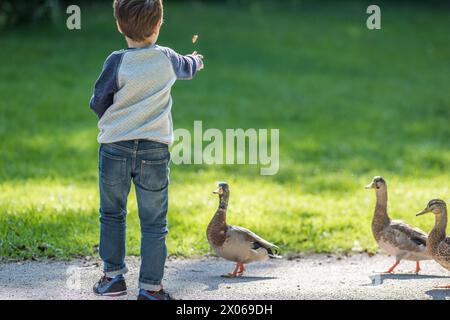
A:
(147, 164)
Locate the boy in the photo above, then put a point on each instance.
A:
(133, 102)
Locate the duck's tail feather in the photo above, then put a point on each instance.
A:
(273, 253)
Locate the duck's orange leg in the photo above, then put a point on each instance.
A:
(234, 273)
(241, 269)
(443, 287)
(391, 269)
(418, 267)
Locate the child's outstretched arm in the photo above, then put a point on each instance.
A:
(185, 67)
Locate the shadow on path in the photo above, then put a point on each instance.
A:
(209, 274)
(378, 279)
(213, 281)
(439, 294)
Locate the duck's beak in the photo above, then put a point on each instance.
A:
(217, 191)
(424, 211)
(370, 185)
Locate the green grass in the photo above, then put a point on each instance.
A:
(350, 103)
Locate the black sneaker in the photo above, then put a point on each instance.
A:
(153, 295)
(111, 286)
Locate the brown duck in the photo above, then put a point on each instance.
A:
(438, 244)
(395, 237)
(234, 243)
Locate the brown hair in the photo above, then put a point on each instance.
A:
(138, 18)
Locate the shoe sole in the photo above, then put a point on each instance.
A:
(142, 297)
(111, 294)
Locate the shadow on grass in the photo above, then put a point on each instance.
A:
(328, 169)
(72, 234)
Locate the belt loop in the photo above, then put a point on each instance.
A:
(136, 144)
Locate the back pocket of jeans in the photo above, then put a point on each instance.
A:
(112, 169)
(154, 174)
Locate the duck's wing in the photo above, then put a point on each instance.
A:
(408, 236)
(444, 249)
(253, 238)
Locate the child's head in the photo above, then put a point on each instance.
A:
(138, 20)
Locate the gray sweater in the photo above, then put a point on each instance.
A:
(132, 95)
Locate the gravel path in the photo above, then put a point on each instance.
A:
(310, 277)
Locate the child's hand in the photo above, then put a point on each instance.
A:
(200, 57)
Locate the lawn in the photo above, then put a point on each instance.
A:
(350, 104)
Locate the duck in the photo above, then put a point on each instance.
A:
(396, 237)
(235, 243)
(438, 244)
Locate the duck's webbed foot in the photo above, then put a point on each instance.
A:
(234, 273)
(443, 286)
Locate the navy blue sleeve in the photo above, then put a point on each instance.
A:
(185, 67)
(106, 85)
